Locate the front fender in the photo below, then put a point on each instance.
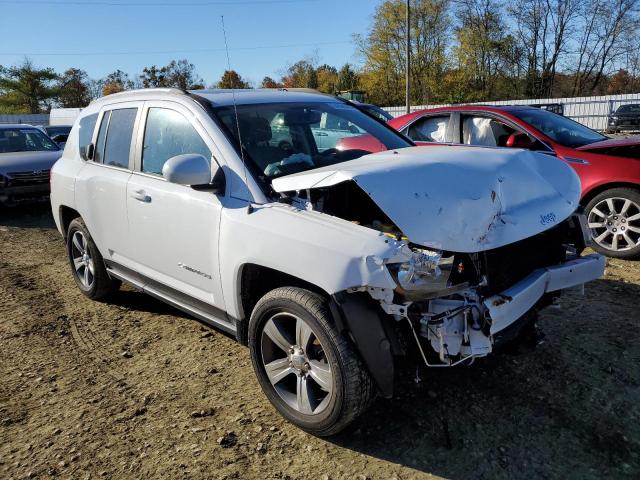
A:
(326, 251)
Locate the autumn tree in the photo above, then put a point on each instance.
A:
(482, 49)
(231, 79)
(609, 31)
(178, 74)
(384, 51)
(115, 82)
(301, 74)
(26, 88)
(327, 77)
(347, 78)
(268, 82)
(544, 29)
(73, 88)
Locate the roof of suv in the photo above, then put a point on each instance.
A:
(224, 97)
(263, 95)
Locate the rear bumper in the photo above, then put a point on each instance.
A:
(513, 303)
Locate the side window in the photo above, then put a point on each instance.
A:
(168, 133)
(429, 129)
(331, 129)
(487, 131)
(85, 133)
(114, 137)
(102, 137)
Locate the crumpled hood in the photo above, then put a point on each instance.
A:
(28, 161)
(461, 199)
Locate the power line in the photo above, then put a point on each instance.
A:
(152, 4)
(163, 52)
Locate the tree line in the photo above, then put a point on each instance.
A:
(461, 51)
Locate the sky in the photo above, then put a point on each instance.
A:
(100, 36)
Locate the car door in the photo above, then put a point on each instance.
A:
(174, 227)
(101, 184)
(331, 129)
(433, 128)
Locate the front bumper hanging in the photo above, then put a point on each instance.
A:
(508, 306)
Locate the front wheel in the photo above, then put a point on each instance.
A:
(306, 368)
(614, 222)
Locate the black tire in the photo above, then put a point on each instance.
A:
(101, 285)
(622, 223)
(352, 390)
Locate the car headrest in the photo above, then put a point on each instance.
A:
(255, 129)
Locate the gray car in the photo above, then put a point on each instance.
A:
(26, 157)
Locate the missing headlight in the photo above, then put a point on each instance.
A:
(426, 270)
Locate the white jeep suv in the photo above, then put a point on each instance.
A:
(328, 262)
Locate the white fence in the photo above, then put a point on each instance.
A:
(590, 111)
(28, 118)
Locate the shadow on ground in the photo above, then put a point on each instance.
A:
(37, 215)
(568, 409)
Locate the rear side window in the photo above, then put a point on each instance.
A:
(85, 133)
(102, 137)
(167, 134)
(114, 138)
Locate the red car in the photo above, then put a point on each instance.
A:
(608, 168)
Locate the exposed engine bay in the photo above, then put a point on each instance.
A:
(448, 299)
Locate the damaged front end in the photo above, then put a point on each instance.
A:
(464, 305)
(479, 242)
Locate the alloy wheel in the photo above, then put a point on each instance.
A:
(82, 261)
(296, 364)
(615, 224)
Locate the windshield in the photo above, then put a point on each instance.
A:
(284, 138)
(377, 111)
(25, 140)
(558, 128)
(629, 108)
(53, 131)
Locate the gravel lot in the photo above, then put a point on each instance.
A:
(135, 389)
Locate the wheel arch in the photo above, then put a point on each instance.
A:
(355, 314)
(597, 190)
(66, 215)
(254, 281)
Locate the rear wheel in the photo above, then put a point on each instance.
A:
(614, 222)
(87, 265)
(306, 368)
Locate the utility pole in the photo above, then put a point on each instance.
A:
(408, 66)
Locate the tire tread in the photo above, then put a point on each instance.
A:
(358, 385)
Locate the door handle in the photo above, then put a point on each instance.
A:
(141, 195)
(322, 134)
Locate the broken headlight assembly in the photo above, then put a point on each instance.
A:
(424, 272)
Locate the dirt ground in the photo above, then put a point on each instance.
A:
(135, 389)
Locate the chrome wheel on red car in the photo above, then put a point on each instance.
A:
(614, 222)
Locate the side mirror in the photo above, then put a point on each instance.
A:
(520, 140)
(86, 152)
(193, 170)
